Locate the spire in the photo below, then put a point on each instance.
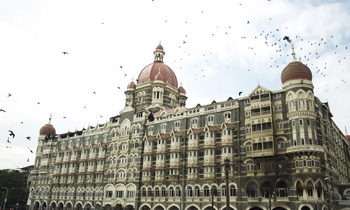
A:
(290, 41)
(293, 53)
(50, 118)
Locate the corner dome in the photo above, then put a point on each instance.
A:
(151, 71)
(182, 90)
(295, 70)
(132, 85)
(46, 129)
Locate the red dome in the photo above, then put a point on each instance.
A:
(131, 85)
(46, 129)
(150, 72)
(159, 47)
(347, 137)
(295, 70)
(182, 90)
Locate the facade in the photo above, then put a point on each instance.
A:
(282, 148)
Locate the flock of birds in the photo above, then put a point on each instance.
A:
(276, 41)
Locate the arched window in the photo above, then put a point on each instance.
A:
(178, 192)
(163, 192)
(223, 191)
(189, 191)
(252, 191)
(149, 191)
(157, 192)
(196, 191)
(171, 192)
(206, 191)
(233, 191)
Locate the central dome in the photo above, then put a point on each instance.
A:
(149, 73)
(296, 70)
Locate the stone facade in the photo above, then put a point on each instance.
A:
(282, 147)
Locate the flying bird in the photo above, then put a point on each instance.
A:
(240, 93)
(8, 140)
(64, 53)
(9, 94)
(30, 150)
(12, 134)
(94, 92)
(1, 110)
(28, 137)
(287, 38)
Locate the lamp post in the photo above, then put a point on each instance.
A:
(213, 193)
(315, 194)
(7, 190)
(328, 194)
(227, 167)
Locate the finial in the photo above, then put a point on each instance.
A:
(159, 42)
(50, 118)
(132, 79)
(346, 131)
(180, 83)
(290, 41)
(293, 53)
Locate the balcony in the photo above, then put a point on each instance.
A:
(305, 148)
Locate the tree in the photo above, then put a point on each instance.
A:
(16, 183)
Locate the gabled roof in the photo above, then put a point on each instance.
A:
(258, 88)
(194, 131)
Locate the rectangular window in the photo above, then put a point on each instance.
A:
(300, 121)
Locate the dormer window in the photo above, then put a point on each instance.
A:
(227, 116)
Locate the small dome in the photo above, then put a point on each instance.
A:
(182, 90)
(295, 70)
(347, 138)
(160, 47)
(46, 129)
(131, 85)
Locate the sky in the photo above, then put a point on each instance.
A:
(216, 49)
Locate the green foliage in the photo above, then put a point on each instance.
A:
(17, 192)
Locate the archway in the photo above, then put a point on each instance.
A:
(174, 208)
(145, 208)
(98, 206)
(209, 208)
(36, 205)
(108, 207)
(119, 207)
(279, 208)
(78, 206)
(60, 206)
(87, 206)
(192, 208)
(69, 206)
(305, 208)
(256, 208)
(53, 206)
(43, 207)
(159, 208)
(129, 207)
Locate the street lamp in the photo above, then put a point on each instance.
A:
(214, 192)
(315, 194)
(227, 167)
(7, 190)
